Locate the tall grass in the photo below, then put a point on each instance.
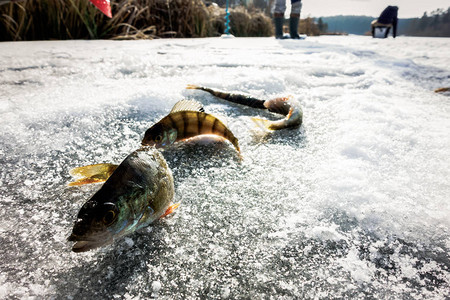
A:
(57, 19)
(132, 19)
(309, 27)
(250, 23)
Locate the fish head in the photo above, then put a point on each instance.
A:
(159, 135)
(97, 224)
(279, 105)
(137, 193)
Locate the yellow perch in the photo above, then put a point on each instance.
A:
(186, 120)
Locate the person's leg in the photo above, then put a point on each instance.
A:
(387, 32)
(296, 7)
(372, 27)
(278, 17)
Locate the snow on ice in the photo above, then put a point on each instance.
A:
(354, 204)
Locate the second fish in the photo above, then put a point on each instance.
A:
(187, 119)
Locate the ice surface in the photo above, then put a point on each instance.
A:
(354, 204)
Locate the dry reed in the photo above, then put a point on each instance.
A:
(78, 19)
(132, 19)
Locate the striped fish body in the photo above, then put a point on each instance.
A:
(182, 125)
(235, 98)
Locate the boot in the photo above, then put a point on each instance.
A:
(278, 19)
(293, 26)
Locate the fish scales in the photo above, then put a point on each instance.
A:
(176, 120)
(191, 119)
(183, 124)
(235, 98)
(192, 123)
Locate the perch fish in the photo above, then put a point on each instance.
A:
(187, 119)
(285, 106)
(137, 192)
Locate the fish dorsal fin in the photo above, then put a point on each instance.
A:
(187, 105)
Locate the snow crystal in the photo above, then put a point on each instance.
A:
(129, 242)
(354, 204)
(156, 286)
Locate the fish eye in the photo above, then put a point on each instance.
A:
(109, 217)
(110, 213)
(158, 138)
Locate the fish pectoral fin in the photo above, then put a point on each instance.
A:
(92, 170)
(83, 181)
(170, 209)
(91, 174)
(263, 124)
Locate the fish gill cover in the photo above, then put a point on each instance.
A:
(354, 204)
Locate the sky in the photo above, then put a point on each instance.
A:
(407, 8)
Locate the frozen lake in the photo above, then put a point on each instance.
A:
(354, 204)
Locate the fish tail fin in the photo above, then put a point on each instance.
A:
(442, 90)
(193, 87)
(91, 174)
(170, 209)
(236, 145)
(263, 124)
(241, 158)
(218, 94)
(237, 148)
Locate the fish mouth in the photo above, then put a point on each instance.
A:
(149, 144)
(83, 245)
